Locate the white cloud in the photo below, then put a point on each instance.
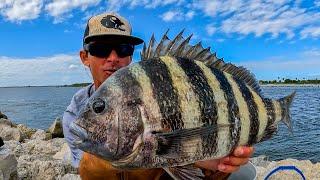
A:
(59, 8)
(312, 31)
(211, 29)
(258, 17)
(55, 70)
(116, 5)
(177, 15)
(190, 15)
(19, 10)
(313, 52)
(157, 3)
(172, 16)
(317, 3)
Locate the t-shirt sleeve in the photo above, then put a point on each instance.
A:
(76, 154)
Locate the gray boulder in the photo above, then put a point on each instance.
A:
(3, 116)
(56, 129)
(40, 167)
(9, 131)
(4, 121)
(40, 147)
(1, 142)
(64, 154)
(41, 135)
(71, 177)
(26, 131)
(8, 164)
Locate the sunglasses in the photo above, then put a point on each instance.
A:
(103, 50)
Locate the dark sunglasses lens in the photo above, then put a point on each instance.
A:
(124, 50)
(99, 50)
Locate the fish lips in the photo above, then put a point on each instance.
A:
(83, 142)
(78, 131)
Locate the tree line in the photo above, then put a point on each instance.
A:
(291, 81)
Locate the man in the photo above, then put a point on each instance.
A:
(108, 46)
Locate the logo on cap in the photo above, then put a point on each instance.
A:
(111, 21)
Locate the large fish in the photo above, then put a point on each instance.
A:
(178, 105)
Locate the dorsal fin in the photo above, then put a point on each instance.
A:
(180, 47)
(240, 73)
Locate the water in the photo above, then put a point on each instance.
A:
(304, 143)
(39, 106)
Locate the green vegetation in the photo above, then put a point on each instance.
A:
(291, 81)
(77, 85)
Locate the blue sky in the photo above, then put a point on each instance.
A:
(40, 39)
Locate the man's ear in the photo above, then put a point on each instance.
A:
(84, 58)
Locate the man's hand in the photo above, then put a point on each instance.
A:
(229, 164)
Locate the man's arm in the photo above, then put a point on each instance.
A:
(229, 164)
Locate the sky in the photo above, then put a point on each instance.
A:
(41, 39)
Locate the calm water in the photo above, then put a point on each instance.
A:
(39, 106)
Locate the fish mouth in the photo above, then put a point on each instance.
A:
(124, 161)
(83, 142)
(136, 150)
(79, 132)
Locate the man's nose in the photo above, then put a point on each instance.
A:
(113, 57)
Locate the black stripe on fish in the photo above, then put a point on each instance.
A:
(124, 80)
(253, 111)
(208, 106)
(270, 128)
(233, 109)
(164, 93)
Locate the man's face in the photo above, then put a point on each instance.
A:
(102, 67)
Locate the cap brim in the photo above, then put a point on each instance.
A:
(114, 39)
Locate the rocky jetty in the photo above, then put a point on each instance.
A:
(34, 154)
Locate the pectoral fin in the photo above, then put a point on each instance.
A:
(169, 143)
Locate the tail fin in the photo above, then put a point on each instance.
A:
(285, 105)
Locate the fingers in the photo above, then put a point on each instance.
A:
(243, 151)
(227, 168)
(229, 164)
(208, 164)
(234, 161)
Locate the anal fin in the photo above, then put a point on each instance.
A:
(187, 172)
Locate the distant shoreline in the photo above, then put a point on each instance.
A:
(71, 85)
(85, 84)
(290, 85)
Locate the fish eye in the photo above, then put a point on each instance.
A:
(98, 106)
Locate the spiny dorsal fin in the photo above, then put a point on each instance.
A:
(240, 73)
(180, 47)
(163, 43)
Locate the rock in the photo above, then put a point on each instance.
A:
(41, 135)
(40, 147)
(309, 170)
(13, 145)
(64, 154)
(71, 177)
(1, 142)
(3, 116)
(8, 131)
(26, 131)
(6, 122)
(41, 167)
(56, 129)
(8, 164)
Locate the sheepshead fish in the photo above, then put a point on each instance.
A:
(178, 105)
